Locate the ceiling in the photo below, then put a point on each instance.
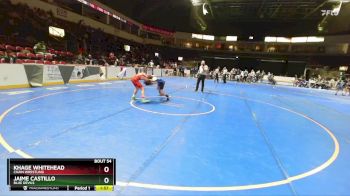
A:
(266, 10)
(229, 17)
(167, 14)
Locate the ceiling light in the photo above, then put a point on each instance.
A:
(270, 39)
(196, 2)
(320, 28)
(205, 11)
(231, 38)
(208, 37)
(299, 39)
(283, 40)
(315, 39)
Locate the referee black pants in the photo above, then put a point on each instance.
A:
(199, 79)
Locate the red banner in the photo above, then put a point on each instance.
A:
(157, 30)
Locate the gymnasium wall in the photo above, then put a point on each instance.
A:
(36, 75)
(13, 76)
(295, 68)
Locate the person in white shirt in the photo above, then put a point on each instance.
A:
(151, 64)
(202, 73)
(232, 74)
(116, 62)
(88, 60)
(251, 76)
(150, 67)
(245, 75)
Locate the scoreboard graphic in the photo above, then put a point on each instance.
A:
(61, 174)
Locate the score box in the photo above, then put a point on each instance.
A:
(66, 174)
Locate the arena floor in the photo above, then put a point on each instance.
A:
(244, 139)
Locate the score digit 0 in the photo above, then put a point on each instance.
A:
(106, 169)
(106, 180)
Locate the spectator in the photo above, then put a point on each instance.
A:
(182, 71)
(224, 74)
(216, 74)
(271, 79)
(89, 60)
(340, 86)
(40, 47)
(136, 68)
(5, 57)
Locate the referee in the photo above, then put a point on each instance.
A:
(202, 73)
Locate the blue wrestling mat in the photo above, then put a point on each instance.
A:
(233, 139)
